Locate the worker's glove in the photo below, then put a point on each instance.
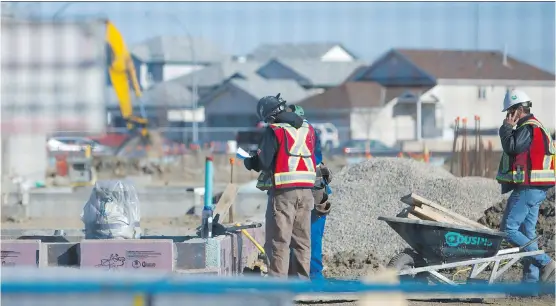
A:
(322, 209)
(326, 173)
(252, 163)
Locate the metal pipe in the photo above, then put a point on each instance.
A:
(209, 174)
(207, 215)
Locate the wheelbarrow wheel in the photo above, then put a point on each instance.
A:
(408, 259)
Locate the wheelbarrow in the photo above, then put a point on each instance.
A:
(437, 246)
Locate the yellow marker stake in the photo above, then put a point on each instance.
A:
(139, 300)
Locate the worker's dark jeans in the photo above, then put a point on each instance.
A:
(519, 223)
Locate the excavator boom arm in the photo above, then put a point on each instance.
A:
(123, 74)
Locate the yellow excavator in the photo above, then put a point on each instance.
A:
(123, 76)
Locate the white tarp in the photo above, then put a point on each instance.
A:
(112, 211)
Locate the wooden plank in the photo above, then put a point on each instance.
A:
(411, 216)
(226, 201)
(383, 276)
(427, 213)
(420, 201)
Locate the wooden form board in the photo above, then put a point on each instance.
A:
(226, 201)
(422, 202)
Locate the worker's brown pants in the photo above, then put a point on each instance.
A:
(288, 225)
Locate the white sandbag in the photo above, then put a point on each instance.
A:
(112, 211)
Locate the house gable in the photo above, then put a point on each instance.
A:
(228, 99)
(393, 69)
(337, 54)
(275, 70)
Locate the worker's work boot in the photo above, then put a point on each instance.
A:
(547, 272)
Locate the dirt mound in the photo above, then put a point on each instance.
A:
(545, 224)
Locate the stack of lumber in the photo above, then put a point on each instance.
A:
(423, 209)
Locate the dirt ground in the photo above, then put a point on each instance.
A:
(190, 169)
(543, 301)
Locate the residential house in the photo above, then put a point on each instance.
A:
(166, 57)
(232, 105)
(326, 52)
(310, 73)
(439, 85)
(350, 107)
(154, 104)
(211, 77)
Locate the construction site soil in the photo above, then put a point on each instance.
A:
(355, 241)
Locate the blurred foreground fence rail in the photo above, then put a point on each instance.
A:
(216, 286)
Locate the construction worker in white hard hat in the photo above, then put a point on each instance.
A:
(526, 169)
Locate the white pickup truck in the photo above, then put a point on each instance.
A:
(329, 138)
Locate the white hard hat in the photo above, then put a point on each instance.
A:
(514, 97)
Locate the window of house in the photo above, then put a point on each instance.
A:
(481, 93)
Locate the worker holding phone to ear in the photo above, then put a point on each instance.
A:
(527, 170)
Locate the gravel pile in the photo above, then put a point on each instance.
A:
(355, 239)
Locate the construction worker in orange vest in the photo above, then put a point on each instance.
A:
(286, 161)
(526, 169)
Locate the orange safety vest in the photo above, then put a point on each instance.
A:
(533, 167)
(295, 159)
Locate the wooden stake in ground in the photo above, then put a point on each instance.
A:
(231, 211)
(226, 201)
(383, 276)
(454, 144)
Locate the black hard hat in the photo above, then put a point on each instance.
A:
(270, 106)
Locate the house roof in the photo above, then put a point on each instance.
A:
(313, 50)
(459, 64)
(395, 92)
(162, 94)
(178, 49)
(168, 94)
(347, 95)
(259, 87)
(321, 73)
(215, 74)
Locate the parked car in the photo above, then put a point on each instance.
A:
(362, 146)
(76, 144)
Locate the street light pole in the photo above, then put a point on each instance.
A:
(61, 10)
(194, 89)
(194, 86)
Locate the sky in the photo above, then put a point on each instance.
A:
(368, 29)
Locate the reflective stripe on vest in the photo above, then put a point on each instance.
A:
(517, 176)
(536, 123)
(299, 152)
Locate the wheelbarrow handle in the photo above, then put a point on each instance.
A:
(521, 248)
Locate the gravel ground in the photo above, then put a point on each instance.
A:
(355, 240)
